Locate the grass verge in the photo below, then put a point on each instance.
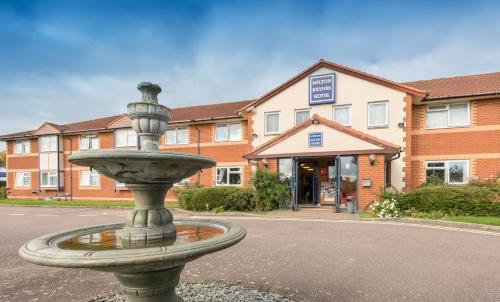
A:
(74, 203)
(490, 220)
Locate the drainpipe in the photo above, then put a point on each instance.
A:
(70, 170)
(198, 151)
(58, 165)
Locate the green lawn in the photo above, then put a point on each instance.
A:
(75, 203)
(491, 220)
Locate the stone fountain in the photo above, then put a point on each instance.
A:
(149, 251)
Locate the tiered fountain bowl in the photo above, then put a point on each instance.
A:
(149, 251)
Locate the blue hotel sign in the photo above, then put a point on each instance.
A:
(315, 139)
(322, 89)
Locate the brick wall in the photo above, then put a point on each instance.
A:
(367, 195)
(479, 142)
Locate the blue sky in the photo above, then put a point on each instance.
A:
(66, 61)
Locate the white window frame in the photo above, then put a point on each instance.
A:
(228, 168)
(127, 145)
(51, 174)
(176, 129)
(448, 112)
(90, 137)
(446, 169)
(49, 141)
(265, 122)
(24, 145)
(350, 114)
(308, 110)
(26, 179)
(86, 178)
(228, 137)
(386, 124)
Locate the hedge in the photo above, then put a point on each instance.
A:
(216, 199)
(3, 193)
(451, 200)
(2, 183)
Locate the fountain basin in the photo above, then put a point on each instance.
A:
(142, 167)
(49, 250)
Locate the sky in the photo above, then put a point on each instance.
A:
(68, 61)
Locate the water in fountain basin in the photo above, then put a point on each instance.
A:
(109, 239)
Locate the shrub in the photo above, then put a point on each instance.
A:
(270, 191)
(451, 200)
(432, 180)
(385, 208)
(3, 193)
(216, 199)
(2, 183)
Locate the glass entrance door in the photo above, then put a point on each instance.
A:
(347, 183)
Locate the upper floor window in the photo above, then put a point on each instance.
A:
(89, 178)
(48, 143)
(449, 171)
(23, 179)
(228, 132)
(22, 146)
(176, 136)
(228, 176)
(272, 122)
(447, 116)
(89, 142)
(302, 115)
(378, 114)
(48, 178)
(342, 115)
(125, 138)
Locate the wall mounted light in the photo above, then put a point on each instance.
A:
(265, 162)
(254, 135)
(372, 159)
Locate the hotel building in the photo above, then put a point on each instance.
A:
(339, 134)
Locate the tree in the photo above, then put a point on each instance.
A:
(3, 159)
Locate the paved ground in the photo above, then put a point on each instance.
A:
(315, 260)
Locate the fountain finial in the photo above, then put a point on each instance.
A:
(149, 92)
(149, 119)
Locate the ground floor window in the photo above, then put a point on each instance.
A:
(449, 171)
(228, 176)
(48, 178)
(89, 178)
(285, 166)
(23, 179)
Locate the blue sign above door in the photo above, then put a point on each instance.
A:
(322, 89)
(315, 139)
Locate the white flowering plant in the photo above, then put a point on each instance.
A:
(385, 208)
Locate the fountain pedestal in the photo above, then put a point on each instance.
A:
(156, 286)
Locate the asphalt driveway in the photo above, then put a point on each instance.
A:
(307, 260)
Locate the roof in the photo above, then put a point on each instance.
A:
(340, 68)
(386, 147)
(192, 113)
(460, 86)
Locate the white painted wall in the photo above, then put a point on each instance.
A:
(350, 91)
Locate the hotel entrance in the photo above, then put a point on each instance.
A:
(325, 182)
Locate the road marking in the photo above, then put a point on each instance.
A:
(46, 215)
(86, 215)
(15, 214)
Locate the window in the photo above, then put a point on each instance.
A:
(89, 178)
(302, 115)
(342, 115)
(228, 176)
(451, 171)
(48, 178)
(48, 143)
(176, 136)
(23, 179)
(126, 138)
(183, 183)
(119, 184)
(285, 166)
(272, 122)
(89, 142)
(22, 146)
(228, 132)
(447, 116)
(378, 114)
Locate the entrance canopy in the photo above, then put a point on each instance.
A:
(318, 136)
